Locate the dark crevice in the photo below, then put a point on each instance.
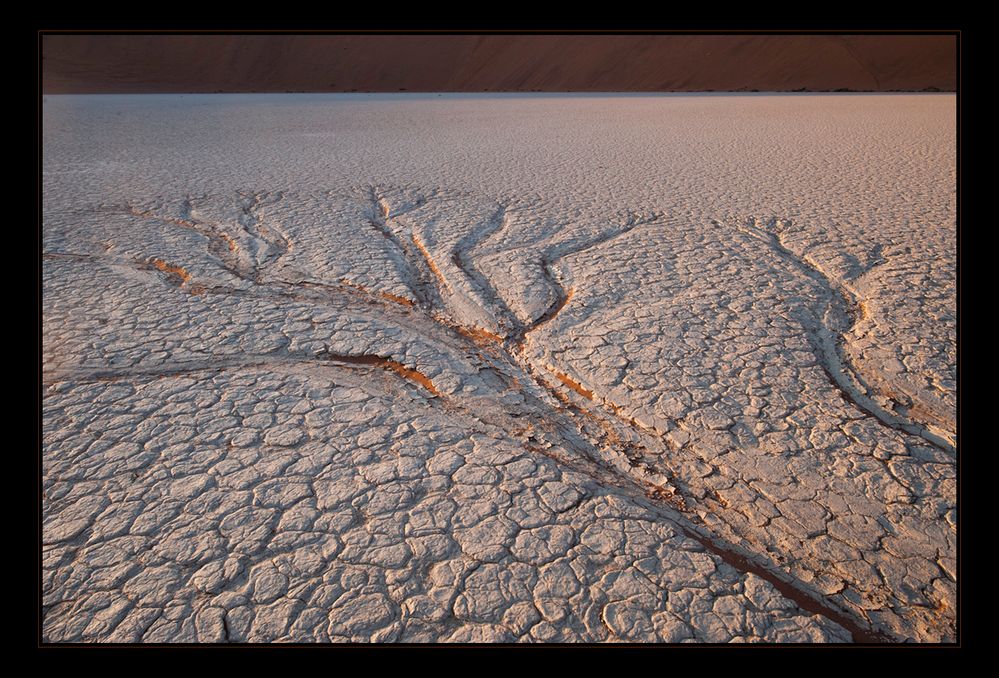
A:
(807, 601)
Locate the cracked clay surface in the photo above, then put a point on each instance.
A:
(363, 368)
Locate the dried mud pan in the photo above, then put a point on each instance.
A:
(526, 368)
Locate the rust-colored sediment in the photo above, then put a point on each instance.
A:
(167, 219)
(183, 223)
(412, 375)
(553, 311)
(479, 335)
(388, 296)
(383, 207)
(388, 364)
(179, 272)
(397, 299)
(865, 312)
(170, 268)
(430, 261)
(574, 385)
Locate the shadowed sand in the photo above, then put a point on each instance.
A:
(518, 63)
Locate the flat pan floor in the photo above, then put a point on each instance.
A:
(499, 368)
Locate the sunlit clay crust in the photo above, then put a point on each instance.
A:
(450, 369)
